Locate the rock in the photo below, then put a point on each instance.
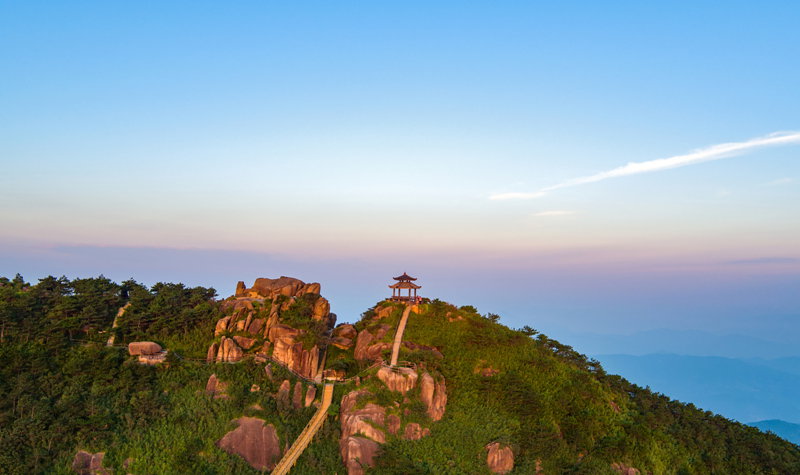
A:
(283, 392)
(216, 388)
(383, 311)
(138, 348)
(311, 394)
(415, 432)
(86, 463)
(434, 395)
(398, 379)
(244, 342)
(255, 442)
(229, 351)
(222, 326)
(341, 342)
(288, 286)
(393, 423)
(155, 359)
(255, 388)
(212, 353)
(255, 326)
(290, 352)
(357, 453)
(268, 371)
(624, 469)
(365, 350)
(239, 289)
(321, 309)
(297, 396)
(211, 385)
(362, 421)
(346, 330)
(335, 374)
(499, 458)
(414, 346)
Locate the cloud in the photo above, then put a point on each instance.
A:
(714, 152)
(557, 212)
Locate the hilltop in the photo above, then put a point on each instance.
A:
(192, 384)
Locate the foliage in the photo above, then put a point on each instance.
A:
(62, 389)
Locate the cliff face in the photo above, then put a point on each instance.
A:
(284, 318)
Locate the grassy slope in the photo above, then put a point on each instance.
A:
(550, 404)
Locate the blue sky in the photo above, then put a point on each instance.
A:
(355, 140)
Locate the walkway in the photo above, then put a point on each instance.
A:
(291, 456)
(398, 336)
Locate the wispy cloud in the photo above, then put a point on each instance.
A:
(714, 152)
(555, 212)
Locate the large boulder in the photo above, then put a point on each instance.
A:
(229, 351)
(222, 325)
(434, 395)
(288, 286)
(211, 355)
(398, 379)
(254, 441)
(364, 421)
(297, 395)
(499, 458)
(414, 431)
(346, 330)
(138, 348)
(244, 342)
(624, 469)
(366, 348)
(86, 463)
(289, 351)
(358, 453)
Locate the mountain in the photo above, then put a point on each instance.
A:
(683, 342)
(98, 376)
(744, 390)
(786, 430)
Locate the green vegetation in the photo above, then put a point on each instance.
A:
(62, 389)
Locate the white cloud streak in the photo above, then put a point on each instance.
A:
(555, 212)
(707, 154)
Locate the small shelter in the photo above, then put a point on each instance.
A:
(405, 282)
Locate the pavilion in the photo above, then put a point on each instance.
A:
(405, 282)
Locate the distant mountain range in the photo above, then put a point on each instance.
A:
(741, 389)
(682, 342)
(787, 430)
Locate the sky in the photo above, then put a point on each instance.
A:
(575, 166)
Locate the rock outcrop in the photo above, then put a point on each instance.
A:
(624, 469)
(86, 463)
(283, 392)
(229, 351)
(434, 395)
(414, 431)
(398, 379)
(499, 458)
(311, 394)
(139, 348)
(366, 346)
(254, 441)
(297, 395)
(272, 288)
(289, 351)
(360, 433)
(358, 453)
